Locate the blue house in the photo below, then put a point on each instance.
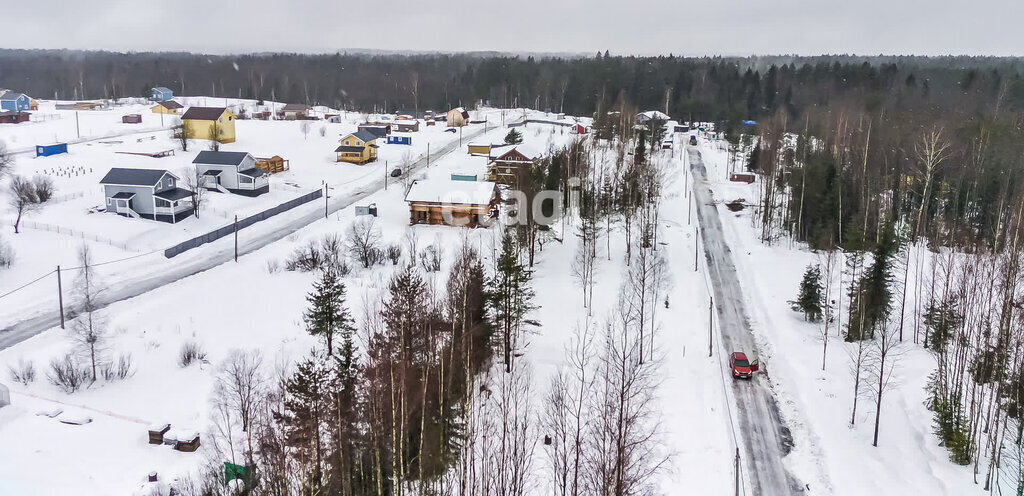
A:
(15, 101)
(161, 94)
(399, 140)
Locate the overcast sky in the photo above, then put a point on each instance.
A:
(713, 27)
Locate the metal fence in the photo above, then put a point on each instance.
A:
(241, 224)
(42, 226)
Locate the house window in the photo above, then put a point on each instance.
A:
(160, 202)
(245, 179)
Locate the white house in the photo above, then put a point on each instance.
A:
(234, 172)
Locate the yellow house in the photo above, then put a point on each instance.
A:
(210, 123)
(167, 107)
(479, 149)
(359, 147)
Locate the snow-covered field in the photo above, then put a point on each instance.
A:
(110, 455)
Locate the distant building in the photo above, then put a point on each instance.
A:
(479, 149)
(359, 147)
(405, 126)
(379, 130)
(15, 101)
(131, 119)
(146, 193)
(79, 106)
(644, 117)
(457, 117)
(234, 172)
(213, 123)
(457, 203)
(54, 149)
(13, 117)
(578, 129)
(295, 111)
(505, 168)
(167, 107)
(160, 94)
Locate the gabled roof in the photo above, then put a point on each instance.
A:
(174, 194)
(171, 104)
(220, 158)
(451, 192)
(523, 150)
(295, 107)
(363, 136)
(204, 113)
(163, 89)
(134, 177)
(10, 95)
(348, 149)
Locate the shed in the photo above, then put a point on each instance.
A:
(167, 107)
(399, 140)
(461, 176)
(54, 149)
(479, 148)
(578, 129)
(429, 122)
(131, 119)
(156, 433)
(160, 94)
(5, 396)
(370, 209)
(406, 126)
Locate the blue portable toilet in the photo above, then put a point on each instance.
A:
(54, 149)
(15, 101)
(161, 94)
(399, 140)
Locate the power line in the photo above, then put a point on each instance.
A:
(28, 284)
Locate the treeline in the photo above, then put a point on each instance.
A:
(707, 89)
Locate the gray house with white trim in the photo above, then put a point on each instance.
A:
(233, 172)
(146, 193)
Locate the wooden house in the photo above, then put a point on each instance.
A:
(457, 117)
(578, 129)
(455, 203)
(359, 147)
(213, 123)
(505, 168)
(231, 172)
(295, 111)
(405, 126)
(146, 193)
(160, 94)
(13, 117)
(167, 107)
(15, 101)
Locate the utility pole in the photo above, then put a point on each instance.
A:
(696, 246)
(737, 470)
(326, 196)
(236, 238)
(711, 316)
(428, 154)
(689, 208)
(78, 128)
(385, 175)
(60, 298)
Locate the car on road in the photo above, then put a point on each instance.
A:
(741, 367)
(396, 172)
(693, 139)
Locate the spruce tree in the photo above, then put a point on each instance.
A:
(306, 410)
(872, 300)
(809, 299)
(327, 314)
(513, 137)
(510, 298)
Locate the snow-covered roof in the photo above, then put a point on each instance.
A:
(652, 114)
(210, 157)
(451, 192)
(134, 177)
(10, 95)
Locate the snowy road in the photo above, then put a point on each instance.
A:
(213, 254)
(766, 440)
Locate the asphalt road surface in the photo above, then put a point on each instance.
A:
(765, 438)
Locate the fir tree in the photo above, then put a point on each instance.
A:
(809, 299)
(327, 314)
(510, 297)
(306, 407)
(753, 160)
(872, 300)
(513, 137)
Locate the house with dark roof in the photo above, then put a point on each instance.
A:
(295, 111)
(378, 129)
(231, 172)
(212, 123)
(505, 168)
(15, 101)
(146, 193)
(160, 94)
(167, 107)
(359, 147)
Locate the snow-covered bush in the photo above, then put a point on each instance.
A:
(24, 372)
(6, 254)
(363, 240)
(190, 352)
(273, 266)
(327, 254)
(120, 370)
(430, 259)
(394, 253)
(67, 375)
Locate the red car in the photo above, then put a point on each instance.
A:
(741, 367)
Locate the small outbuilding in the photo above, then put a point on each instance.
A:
(13, 117)
(131, 119)
(394, 139)
(273, 164)
(160, 94)
(54, 149)
(578, 129)
(167, 107)
(406, 126)
(455, 203)
(479, 149)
